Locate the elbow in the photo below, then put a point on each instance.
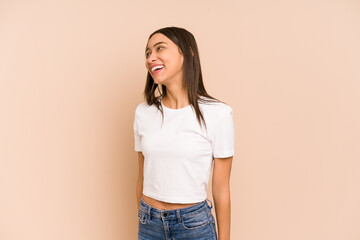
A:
(220, 191)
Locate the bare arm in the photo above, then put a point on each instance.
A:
(221, 195)
(139, 185)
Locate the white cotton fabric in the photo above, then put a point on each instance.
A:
(178, 153)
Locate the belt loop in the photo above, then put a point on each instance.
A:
(149, 209)
(211, 205)
(178, 217)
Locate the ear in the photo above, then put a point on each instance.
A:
(192, 52)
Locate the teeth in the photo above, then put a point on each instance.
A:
(157, 67)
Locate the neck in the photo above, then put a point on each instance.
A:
(176, 97)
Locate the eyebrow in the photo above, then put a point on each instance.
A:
(155, 45)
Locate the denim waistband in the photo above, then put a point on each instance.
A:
(175, 213)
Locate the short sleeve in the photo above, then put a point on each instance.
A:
(137, 136)
(223, 136)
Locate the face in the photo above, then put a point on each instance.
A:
(164, 60)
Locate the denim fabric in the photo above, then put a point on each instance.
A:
(195, 222)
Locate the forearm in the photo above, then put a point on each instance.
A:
(223, 212)
(139, 189)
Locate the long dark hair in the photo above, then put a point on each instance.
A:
(192, 77)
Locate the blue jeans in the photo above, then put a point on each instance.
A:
(191, 223)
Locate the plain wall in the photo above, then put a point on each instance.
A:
(72, 73)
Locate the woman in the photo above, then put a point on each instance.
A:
(180, 135)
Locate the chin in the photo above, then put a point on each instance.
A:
(157, 81)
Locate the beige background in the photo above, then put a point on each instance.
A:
(72, 73)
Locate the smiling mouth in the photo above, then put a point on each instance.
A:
(157, 69)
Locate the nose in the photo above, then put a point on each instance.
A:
(151, 58)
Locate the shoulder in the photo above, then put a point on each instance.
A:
(144, 110)
(141, 106)
(213, 107)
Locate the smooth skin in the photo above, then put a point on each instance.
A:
(161, 50)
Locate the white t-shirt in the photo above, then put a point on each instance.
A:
(178, 153)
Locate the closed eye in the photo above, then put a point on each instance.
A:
(149, 53)
(158, 48)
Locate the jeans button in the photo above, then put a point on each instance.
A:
(165, 214)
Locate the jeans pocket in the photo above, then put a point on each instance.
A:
(199, 220)
(142, 217)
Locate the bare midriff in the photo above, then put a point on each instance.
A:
(164, 205)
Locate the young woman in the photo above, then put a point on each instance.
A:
(181, 134)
